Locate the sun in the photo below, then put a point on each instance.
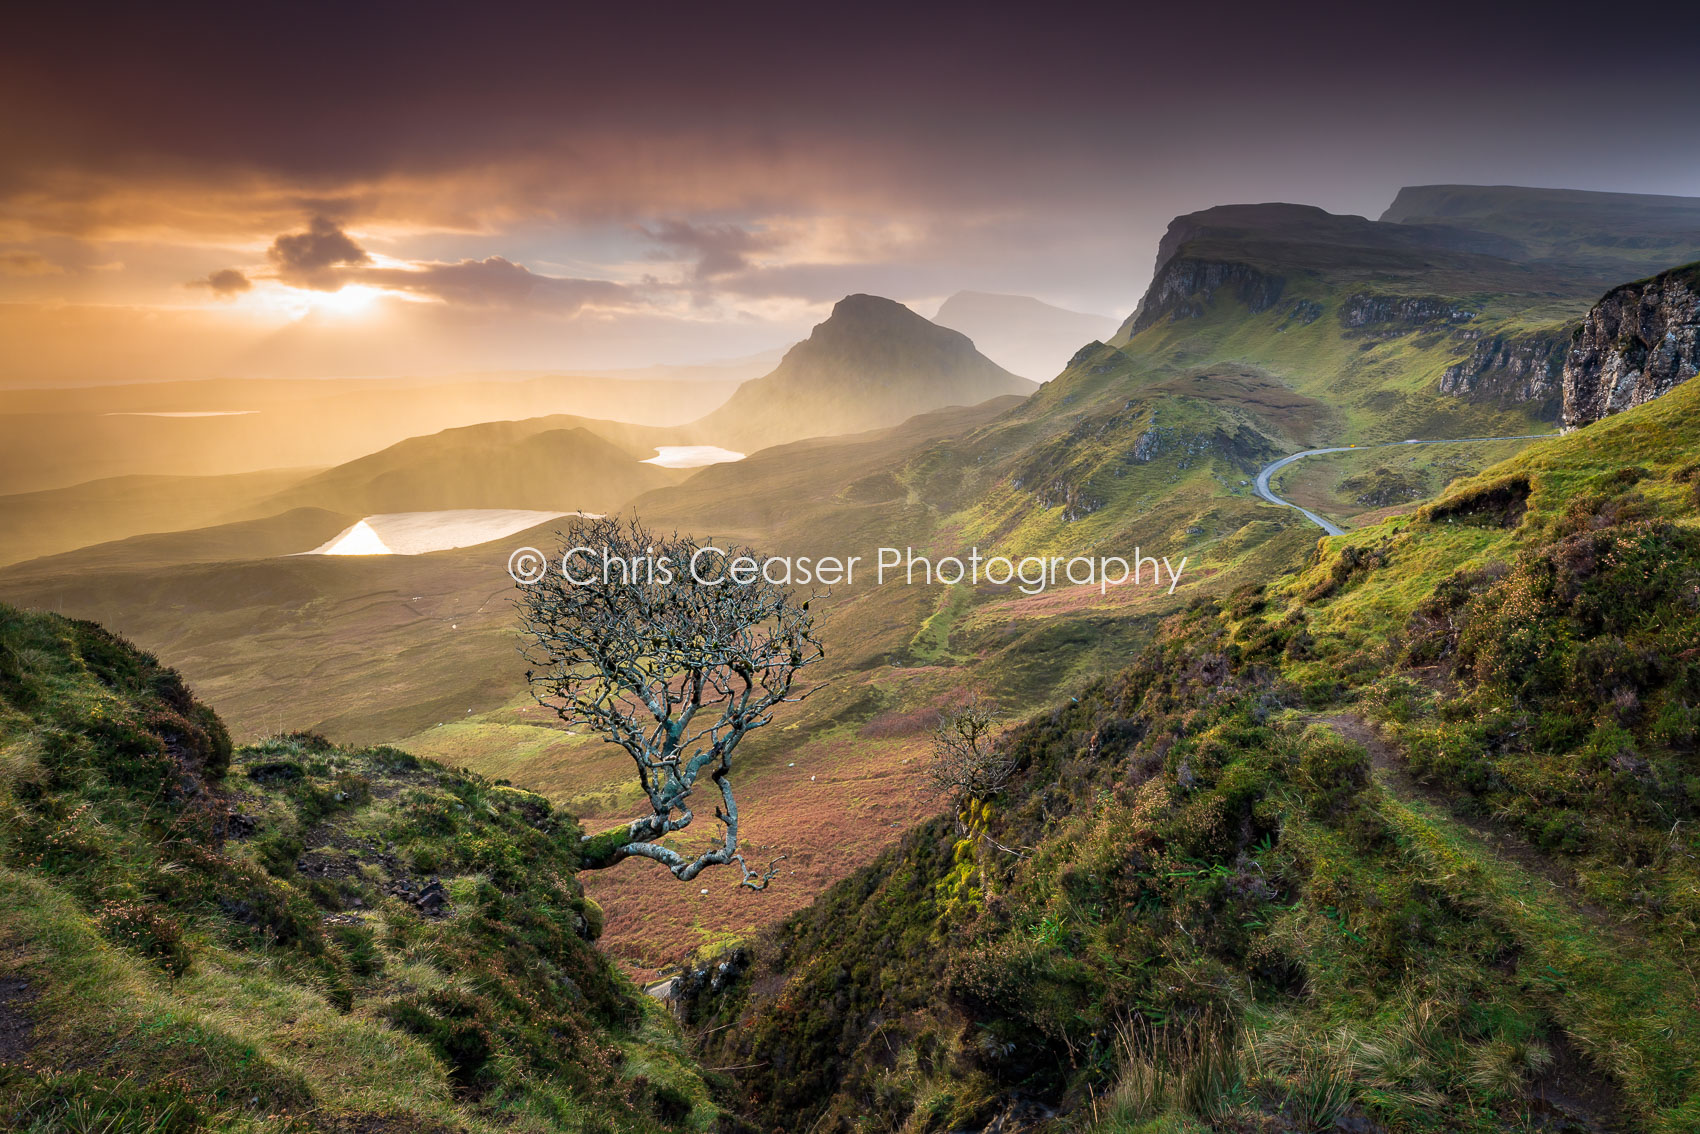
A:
(349, 301)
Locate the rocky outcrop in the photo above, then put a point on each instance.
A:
(1103, 359)
(1404, 311)
(1511, 369)
(1304, 313)
(1185, 288)
(1638, 342)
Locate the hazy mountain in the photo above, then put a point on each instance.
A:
(99, 511)
(873, 363)
(241, 541)
(54, 438)
(1025, 335)
(1630, 234)
(503, 464)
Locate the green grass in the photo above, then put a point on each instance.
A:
(277, 973)
(1188, 854)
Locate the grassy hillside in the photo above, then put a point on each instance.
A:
(1367, 316)
(1401, 841)
(290, 936)
(1149, 444)
(102, 511)
(1365, 485)
(64, 436)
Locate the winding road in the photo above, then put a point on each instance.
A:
(1262, 482)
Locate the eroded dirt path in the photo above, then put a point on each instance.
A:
(17, 1032)
(1498, 839)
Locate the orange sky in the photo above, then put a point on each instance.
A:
(315, 189)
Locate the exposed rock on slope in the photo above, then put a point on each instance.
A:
(1184, 288)
(1637, 343)
(1510, 368)
(1364, 310)
(874, 363)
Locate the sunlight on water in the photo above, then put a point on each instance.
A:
(358, 540)
(415, 533)
(182, 413)
(691, 456)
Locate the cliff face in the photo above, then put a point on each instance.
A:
(1637, 343)
(1510, 369)
(1251, 251)
(1364, 310)
(1184, 288)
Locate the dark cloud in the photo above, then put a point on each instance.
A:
(720, 249)
(582, 111)
(325, 258)
(27, 263)
(309, 259)
(495, 282)
(224, 283)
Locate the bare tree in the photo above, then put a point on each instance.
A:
(674, 650)
(967, 760)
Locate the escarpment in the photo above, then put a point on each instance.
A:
(1511, 369)
(1638, 342)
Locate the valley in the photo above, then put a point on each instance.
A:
(1271, 797)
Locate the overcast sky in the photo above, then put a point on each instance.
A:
(402, 188)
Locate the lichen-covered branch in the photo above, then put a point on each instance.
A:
(649, 642)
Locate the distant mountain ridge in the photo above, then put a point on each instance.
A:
(1254, 248)
(873, 363)
(1028, 336)
(1630, 234)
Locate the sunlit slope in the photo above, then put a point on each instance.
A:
(1408, 330)
(55, 438)
(520, 464)
(45, 523)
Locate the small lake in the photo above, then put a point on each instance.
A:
(691, 456)
(415, 533)
(182, 413)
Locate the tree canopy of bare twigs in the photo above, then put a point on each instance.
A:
(967, 760)
(672, 650)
